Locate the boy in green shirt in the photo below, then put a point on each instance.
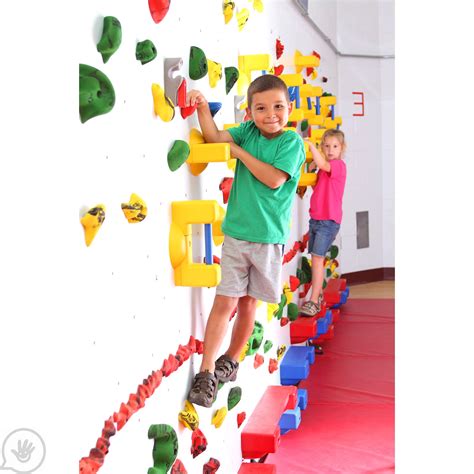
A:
(256, 225)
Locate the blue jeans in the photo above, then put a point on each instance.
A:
(321, 236)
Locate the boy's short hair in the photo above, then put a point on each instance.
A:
(264, 83)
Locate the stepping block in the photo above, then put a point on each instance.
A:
(295, 364)
(345, 295)
(290, 420)
(261, 434)
(332, 292)
(304, 328)
(323, 326)
(302, 398)
(257, 468)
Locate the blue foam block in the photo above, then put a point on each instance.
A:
(302, 398)
(344, 295)
(295, 364)
(322, 326)
(291, 419)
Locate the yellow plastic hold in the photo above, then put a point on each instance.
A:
(317, 133)
(214, 71)
(202, 153)
(243, 353)
(330, 123)
(135, 210)
(307, 179)
(292, 80)
(92, 221)
(272, 308)
(162, 104)
(228, 10)
(183, 215)
(288, 293)
(296, 115)
(189, 416)
(305, 61)
(247, 64)
(219, 417)
(280, 351)
(307, 90)
(242, 18)
(328, 100)
(258, 5)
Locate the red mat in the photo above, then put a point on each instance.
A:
(348, 425)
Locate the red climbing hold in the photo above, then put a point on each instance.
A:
(240, 418)
(158, 9)
(279, 48)
(211, 466)
(178, 468)
(258, 361)
(225, 186)
(199, 442)
(272, 365)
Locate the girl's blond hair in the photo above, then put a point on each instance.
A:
(339, 134)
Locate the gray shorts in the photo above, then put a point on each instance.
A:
(251, 268)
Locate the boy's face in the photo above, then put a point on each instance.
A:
(270, 111)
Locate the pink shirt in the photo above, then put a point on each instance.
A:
(326, 200)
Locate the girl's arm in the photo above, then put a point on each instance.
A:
(209, 129)
(267, 174)
(318, 158)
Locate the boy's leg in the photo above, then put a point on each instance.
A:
(216, 329)
(243, 326)
(317, 276)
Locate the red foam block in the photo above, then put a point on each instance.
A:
(257, 468)
(261, 434)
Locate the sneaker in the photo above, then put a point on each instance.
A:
(204, 389)
(310, 309)
(320, 299)
(226, 369)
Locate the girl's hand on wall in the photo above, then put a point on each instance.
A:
(195, 97)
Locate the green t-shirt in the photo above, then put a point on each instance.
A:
(255, 212)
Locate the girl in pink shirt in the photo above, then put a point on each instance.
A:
(325, 210)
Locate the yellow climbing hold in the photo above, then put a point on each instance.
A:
(272, 308)
(242, 18)
(219, 417)
(92, 222)
(244, 352)
(280, 351)
(228, 10)
(288, 293)
(257, 5)
(162, 104)
(135, 210)
(189, 416)
(214, 71)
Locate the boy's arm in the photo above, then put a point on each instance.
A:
(318, 158)
(209, 129)
(267, 174)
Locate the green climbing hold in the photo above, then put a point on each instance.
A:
(145, 51)
(231, 76)
(96, 93)
(165, 448)
(234, 397)
(111, 38)
(256, 338)
(326, 94)
(333, 251)
(220, 385)
(178, 154)
(279, 312)
(304, 125)
(197, 63)
(292, 311)
(267, 346)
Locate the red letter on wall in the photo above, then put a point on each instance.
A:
(359, 103)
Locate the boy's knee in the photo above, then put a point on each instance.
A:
(247, 303)
(225, 303)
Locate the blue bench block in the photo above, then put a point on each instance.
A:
(328, 316)
(291, 419)
(302, 398)
(295, 364)
(323, 326)
(344, 295)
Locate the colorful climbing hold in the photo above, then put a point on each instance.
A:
(162, 105)
(214, 72)
(292, 311)
(214, 107)
(96, 93)
(258, 361)
(178, 468)
(111, 38)
(92, 221)
(158, 9)
(240, 418)
(231, 76)
(189, 416)
(279, 70)
(135, 210)
(145, 51)
(267, 346)
(235, 394)
(178, 154)
(256, 338)
(219, 417)
(211, 466)
(280, 351)
(279, 48)
(258, 5)
(198, 442)
(198, 66)
(228, 7)
(225, 186)
(272, 365)
(242, 18)
(165, 448)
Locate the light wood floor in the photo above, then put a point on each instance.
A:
(379, 289)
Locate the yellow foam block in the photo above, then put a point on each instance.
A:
(292, 79)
